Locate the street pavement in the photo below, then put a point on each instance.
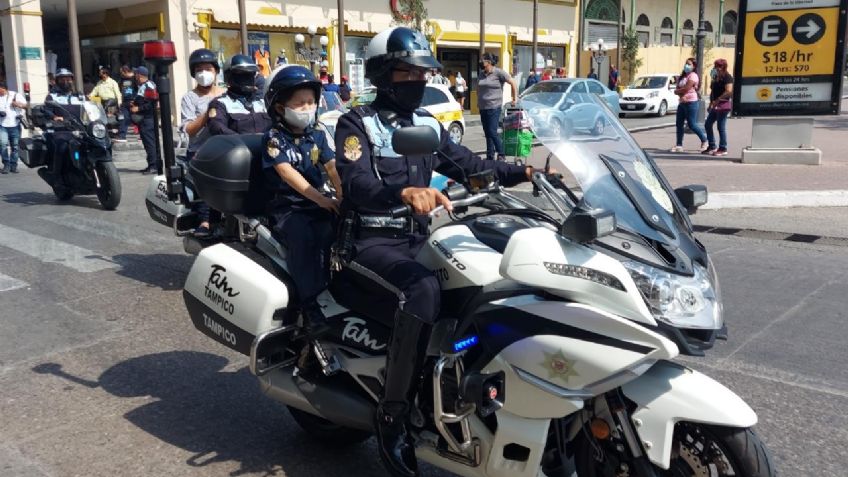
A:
(102, 373)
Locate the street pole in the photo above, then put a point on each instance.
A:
(581, 31)
(535, 34)
(342, 59)
(618, 40)
(243, 26)
(699, 54)
(482, 28)
(73, 31)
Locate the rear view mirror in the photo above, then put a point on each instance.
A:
(585, 226)
(692, 197)
(415, 141)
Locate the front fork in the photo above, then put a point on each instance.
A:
(610, 420)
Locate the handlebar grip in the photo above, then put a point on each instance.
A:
(401, 211)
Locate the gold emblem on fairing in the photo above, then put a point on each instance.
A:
(352, 148)
(559, 366)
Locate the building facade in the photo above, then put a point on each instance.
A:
(114, 35)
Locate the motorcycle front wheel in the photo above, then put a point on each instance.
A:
(699, 450)
(109, 193)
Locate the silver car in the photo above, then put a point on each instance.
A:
(566, 106)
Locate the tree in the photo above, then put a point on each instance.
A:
(630, 53)
(410, 13)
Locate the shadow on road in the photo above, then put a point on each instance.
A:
(165, 271)
(220, 416)
(41, 198)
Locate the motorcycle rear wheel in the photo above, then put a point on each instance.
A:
(326, 431)
(109, 193)
(702, 451)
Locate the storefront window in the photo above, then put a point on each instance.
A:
(547, 57)
(355, 47)
(268, 48)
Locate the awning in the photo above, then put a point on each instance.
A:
(261, 14)
(557, 38)
(466, 44)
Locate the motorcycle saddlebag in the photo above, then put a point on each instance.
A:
(233, 299)
(33, 152)
(168, 213)
(227, 172)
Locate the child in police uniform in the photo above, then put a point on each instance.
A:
(302, 215)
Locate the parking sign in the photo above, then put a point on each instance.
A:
(789, 57)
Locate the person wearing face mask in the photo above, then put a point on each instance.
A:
(302, 215)
(721, 97)
(60, 105)
(687, 110)
(375, 180)
(238, 111)
(203, 65)
(490, 101)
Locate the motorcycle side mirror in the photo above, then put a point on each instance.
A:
(415, 141)
(584, 226)
(692, 197)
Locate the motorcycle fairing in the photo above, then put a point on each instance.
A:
(669, 393)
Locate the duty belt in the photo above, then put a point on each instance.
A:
(385, 226)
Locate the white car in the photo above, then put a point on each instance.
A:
(650, 94)
(438, 101)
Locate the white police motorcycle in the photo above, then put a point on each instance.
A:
(558, 333)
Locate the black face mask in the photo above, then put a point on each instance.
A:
(405, 96)
(65, 87)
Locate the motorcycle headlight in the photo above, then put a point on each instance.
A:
(98, 130)
(653, 94)
(681, 301)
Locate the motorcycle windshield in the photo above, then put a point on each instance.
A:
(587, 142)
(93, 112)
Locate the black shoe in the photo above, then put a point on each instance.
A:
(148, 170)
(394, 443)
(314, 322)
(14, 169)
(5, 169)
(406, 354)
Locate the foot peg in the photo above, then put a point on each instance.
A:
(329, 362)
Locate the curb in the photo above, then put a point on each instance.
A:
(776, 199)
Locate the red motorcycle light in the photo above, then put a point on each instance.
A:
(159, 50)
(26, 87)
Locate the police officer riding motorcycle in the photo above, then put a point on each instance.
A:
(376, 180)
(75, 146)
(239, 111)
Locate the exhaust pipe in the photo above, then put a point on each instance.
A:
(330, 400)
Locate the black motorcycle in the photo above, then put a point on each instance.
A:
(86, 166)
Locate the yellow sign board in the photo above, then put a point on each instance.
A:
(772, 46)
(789, 57)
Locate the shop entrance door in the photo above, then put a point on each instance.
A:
(463, 60)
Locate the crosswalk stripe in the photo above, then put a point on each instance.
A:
(54, 251)
(11, 283)
(105, 228)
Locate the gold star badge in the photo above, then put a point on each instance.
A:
(352, 148)
(558, 366)
(213, 112)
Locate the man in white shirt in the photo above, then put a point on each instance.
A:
(11, 104)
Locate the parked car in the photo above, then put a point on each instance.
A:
(437, 100)
(330, 109)
(567, 106)
(650, 94)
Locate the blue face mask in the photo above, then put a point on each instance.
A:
(713, 73)
(687, 68)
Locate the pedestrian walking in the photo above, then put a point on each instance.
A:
(532, 78)
(490, 101)
(143, 108)
(612, 82)
(546, 75)
(461, 87)
(11, 104)
(687, 110)
(438, 78)
(721, 97)
(344, 89)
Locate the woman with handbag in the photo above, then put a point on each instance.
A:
(721, 94)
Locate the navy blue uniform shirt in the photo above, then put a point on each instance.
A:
(302, 152)
(364, 192)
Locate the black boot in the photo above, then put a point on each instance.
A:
(5, 169)
(406, 354)
(314, 321)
